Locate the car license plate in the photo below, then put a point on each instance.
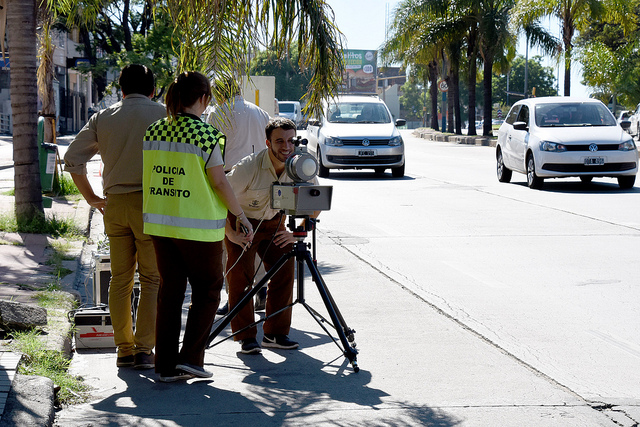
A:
(366, 153)
(594, 161)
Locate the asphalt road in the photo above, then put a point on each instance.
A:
(475, 303)
(549, 276)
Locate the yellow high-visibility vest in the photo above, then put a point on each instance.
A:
(178, 200)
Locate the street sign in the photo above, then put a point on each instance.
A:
(442, 85)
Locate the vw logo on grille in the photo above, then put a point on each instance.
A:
(365, 142)
(593, 147)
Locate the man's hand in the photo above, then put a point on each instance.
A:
(239, 236)
(98, 202)
(284, 238)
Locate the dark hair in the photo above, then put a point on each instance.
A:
(185, 90)
(136, 78)
(278, 123)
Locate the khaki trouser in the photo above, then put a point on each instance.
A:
(129, 247)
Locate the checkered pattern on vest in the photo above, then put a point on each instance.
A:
(186, 130)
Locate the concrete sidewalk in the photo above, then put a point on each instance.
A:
(417, 367)
(23, 272)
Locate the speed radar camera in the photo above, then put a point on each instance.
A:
(301, 198)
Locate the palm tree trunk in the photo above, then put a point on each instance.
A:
(472, 53)
(567, 36)
(454, 93)
(433, 92)
(487, 96)
(449, 105)
(21, 24)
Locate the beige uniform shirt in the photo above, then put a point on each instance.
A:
(251, 180)
(116, 133)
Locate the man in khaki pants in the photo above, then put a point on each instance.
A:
(117, 133)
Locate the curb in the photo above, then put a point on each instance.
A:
(433, 135)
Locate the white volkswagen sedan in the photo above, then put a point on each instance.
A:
(557, 137)
(357, 132)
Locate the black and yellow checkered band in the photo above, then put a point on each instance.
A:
(186, 130)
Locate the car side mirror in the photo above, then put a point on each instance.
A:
(625, 124)
(401, 122)
(520, 126)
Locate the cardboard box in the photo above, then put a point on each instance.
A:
(93, 328)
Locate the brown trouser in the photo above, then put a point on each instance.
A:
(201, 264)
(240, 279)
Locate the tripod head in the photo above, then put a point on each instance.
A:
(301, 230)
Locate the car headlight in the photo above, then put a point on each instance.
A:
(552, 146)
(395, 141)
(328, 140)
(627, 145)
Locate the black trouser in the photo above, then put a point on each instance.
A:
(201, 264)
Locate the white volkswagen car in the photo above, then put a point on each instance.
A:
(357, 132)
(556, 137)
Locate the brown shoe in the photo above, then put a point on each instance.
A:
(144, 361)
(125, 361)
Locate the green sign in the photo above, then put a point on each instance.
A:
(361, 67)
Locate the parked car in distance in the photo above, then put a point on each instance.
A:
(634, 122)
(623, 120)
(356, 132)
(291, 110)
(556, 137)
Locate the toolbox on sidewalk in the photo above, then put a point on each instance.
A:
(93, 328)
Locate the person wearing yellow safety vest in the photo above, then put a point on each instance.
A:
(185, 200)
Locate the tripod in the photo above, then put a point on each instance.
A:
(302, 255)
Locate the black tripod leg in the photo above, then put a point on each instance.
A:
(339, 323)
(245, 300)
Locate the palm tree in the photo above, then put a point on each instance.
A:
(21, 29)
(576, 15)
(494, 38)
(217, 38)
(410, 44)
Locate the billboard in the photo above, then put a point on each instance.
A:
(361, 68)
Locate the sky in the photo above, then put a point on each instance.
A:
(363, 23)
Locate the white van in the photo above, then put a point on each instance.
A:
(293, 111)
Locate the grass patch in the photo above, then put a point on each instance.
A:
(52, 364)
(37, 360)
(52, 297)
(50, 225)
(60, 254)
(63, 185)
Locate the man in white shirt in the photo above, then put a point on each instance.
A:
(243, 124)
(241, 121)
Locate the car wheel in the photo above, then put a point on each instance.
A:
(533, 180)
(504, 173)
(626, 182)
(379, 171)
(397, 172)
(323, 172)
(586, 179)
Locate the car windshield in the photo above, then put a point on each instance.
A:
(286, 108)
(358, 112)
(575, 114)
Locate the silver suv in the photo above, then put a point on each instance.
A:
(357, 132)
